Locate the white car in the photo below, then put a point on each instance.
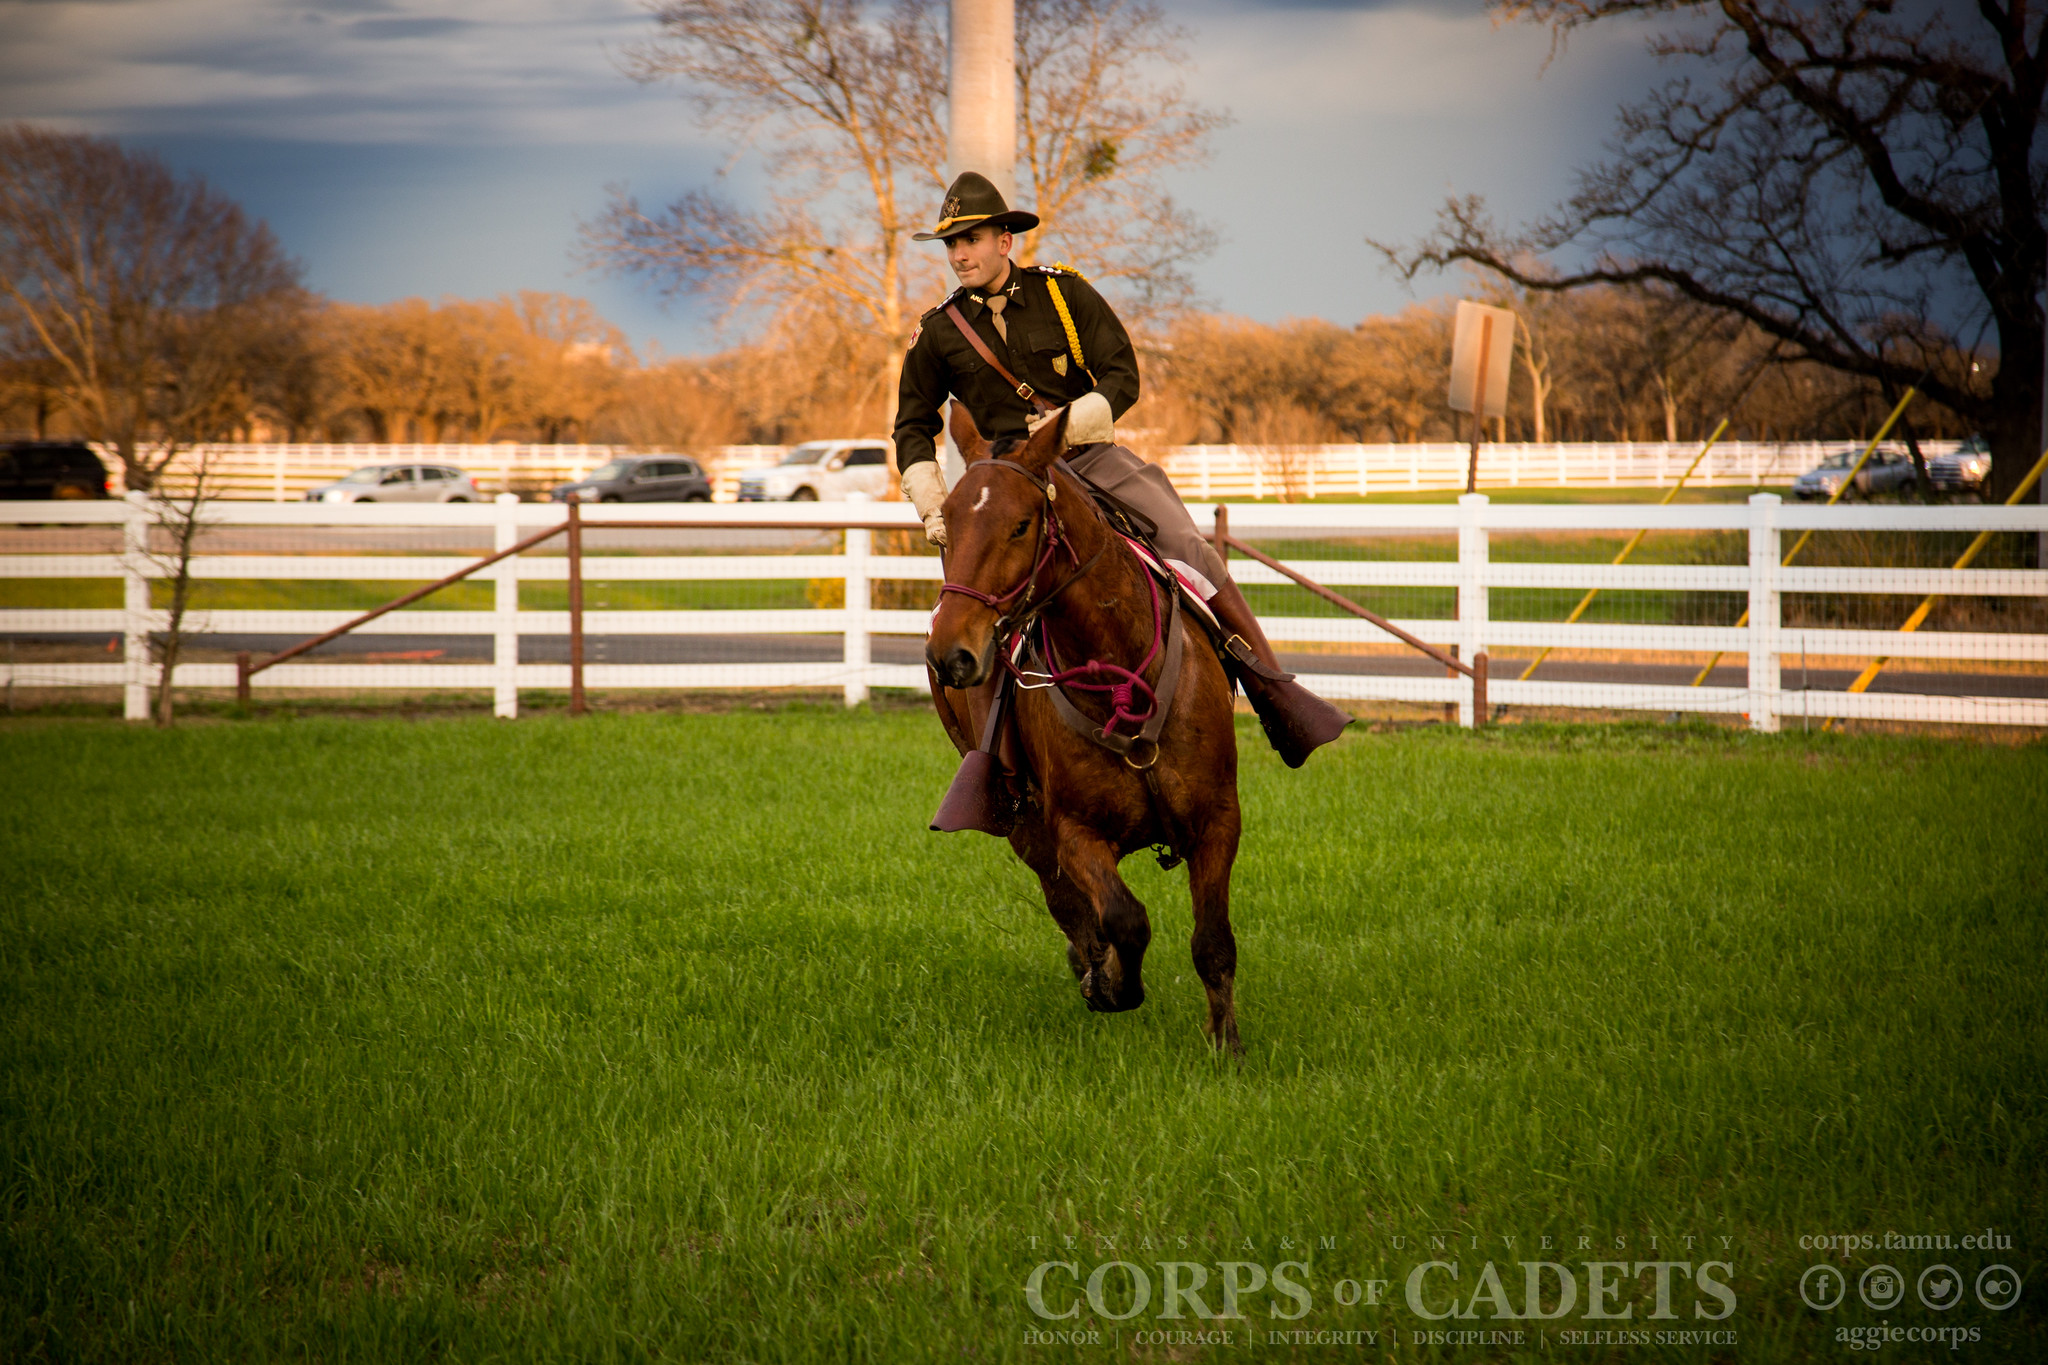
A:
(399, 483)
(821, 471)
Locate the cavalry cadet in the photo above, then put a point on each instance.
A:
(1046, 328)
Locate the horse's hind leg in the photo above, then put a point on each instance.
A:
(1213, 944)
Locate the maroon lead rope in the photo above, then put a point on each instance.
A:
(1120, 693)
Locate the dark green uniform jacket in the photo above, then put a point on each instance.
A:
(941, 361)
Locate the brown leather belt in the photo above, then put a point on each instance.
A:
(1024, 391)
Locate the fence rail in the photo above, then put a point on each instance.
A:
(282, 473)
(253, 542)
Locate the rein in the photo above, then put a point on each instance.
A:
(1121, 693)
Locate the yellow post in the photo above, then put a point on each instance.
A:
(1913, 622)
(1629, 548)
(1848, 480)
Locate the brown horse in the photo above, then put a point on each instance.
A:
(1031, 553)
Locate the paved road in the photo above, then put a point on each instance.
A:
(903, 649)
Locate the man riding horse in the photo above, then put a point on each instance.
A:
(1009, 342)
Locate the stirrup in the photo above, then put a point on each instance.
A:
(1242, 653)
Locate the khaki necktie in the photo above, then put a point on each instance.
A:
(996, 304)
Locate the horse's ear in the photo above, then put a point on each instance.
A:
(1045, 444)
(966, 436)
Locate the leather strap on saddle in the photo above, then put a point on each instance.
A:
(1241, 655)
(1024, 391)
(1139, 751)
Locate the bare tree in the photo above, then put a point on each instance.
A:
(170, 541)
(1845, 176)
(1100, 118)
(848, 102)
(143, 289)
(848, 109)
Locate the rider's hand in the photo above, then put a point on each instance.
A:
(926, 489)
(1089, 421)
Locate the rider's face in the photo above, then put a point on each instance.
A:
(978, 255)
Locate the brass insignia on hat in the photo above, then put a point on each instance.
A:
(951, 209)
(1059, 365)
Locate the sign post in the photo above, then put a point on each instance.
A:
(1482, 348)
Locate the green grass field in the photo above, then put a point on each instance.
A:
(679, 1037)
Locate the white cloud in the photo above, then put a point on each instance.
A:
(408, 70)
(1351, 122)
(1301, 67)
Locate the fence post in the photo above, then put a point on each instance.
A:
(135, 601)
(859, 644)
(575, 538)
(505, 609)
(1763, 611)
(1472, 604)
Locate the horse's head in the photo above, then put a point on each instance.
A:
(999, 524)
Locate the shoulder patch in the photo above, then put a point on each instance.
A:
(1057, 268)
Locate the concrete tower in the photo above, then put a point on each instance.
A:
(982, 92)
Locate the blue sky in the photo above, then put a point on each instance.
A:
(438, 147)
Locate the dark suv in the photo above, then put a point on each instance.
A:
(34, 471)
(640, 478)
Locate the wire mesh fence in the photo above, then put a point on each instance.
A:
(1761, 609)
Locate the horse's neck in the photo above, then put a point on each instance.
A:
(1107, 612)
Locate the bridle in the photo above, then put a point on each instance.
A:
(1051, 538)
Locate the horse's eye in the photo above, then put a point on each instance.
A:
(1020, 528)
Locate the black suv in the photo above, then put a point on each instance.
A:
(35, 471)
(640, 478)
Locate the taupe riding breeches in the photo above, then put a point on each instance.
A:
(1145, 489)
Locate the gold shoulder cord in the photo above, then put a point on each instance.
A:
(1059, 303)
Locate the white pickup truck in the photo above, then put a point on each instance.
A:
(821, 471)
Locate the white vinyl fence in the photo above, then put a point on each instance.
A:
(283, 473)
(280, 472)
(1305, 472)
(106, 543)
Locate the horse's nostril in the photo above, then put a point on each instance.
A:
(960, 666)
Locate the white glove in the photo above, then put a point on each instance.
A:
(926, 489)
(1089, 421)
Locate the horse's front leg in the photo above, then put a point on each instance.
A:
(1214, 945)
(1115, 977)
(1032, 841)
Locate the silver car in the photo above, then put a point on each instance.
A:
(399, 483)
(821, 470)
(1887, 471)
